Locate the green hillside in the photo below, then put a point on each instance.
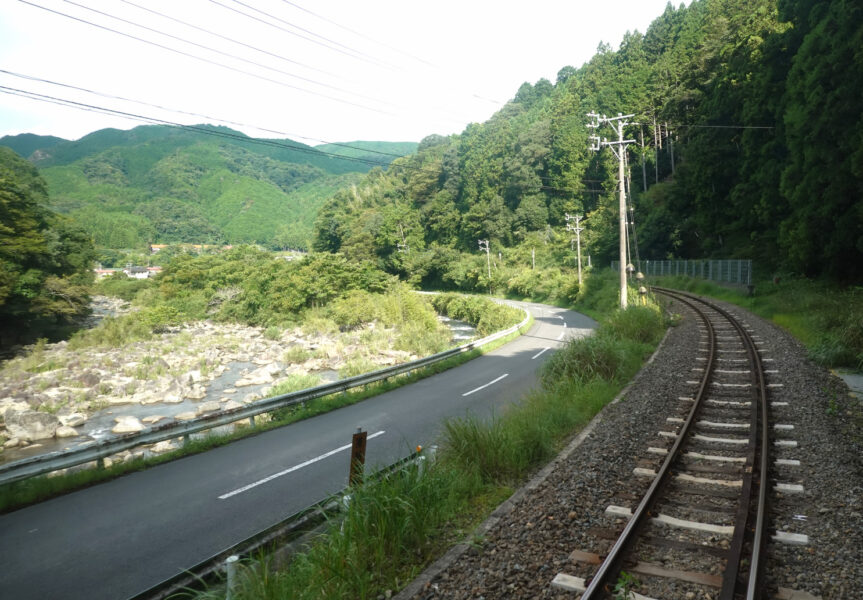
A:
(26, 144)
(157, 184)
(749, 112)
(370, 151)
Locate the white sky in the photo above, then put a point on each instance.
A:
(418, 67)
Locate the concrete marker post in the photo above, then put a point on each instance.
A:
(231, 571)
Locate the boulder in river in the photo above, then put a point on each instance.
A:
(127, 424)
(64, 431)
(208, 407)
(73, 419)
(31, 425)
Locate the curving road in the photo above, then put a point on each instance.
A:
(116, 539)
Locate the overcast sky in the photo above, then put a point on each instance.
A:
(322, 71)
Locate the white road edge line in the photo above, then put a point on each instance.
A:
(246, 488)
(561, 335)
(538, 354)
(486, 385)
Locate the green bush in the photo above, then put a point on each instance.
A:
(120, 286)
(112, 332)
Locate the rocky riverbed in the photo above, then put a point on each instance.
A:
(56, 397)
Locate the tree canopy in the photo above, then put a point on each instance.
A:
(45, 258)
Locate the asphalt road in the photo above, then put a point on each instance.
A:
(119, 538)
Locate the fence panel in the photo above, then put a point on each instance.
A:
(737, 271)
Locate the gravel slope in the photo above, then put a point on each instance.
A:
(520, 549)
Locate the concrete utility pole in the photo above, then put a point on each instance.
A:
(617, 123)
(483, 245)
(577, 229)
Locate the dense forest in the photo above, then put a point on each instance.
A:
(45, 258)
(203, 184)
(747, 135)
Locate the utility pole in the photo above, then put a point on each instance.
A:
(618, 123)
(483, 245)
(577, 229)
(643, 166)
(656, 146)
(670, 147)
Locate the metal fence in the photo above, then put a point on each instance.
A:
(728, 271)
(96, 451)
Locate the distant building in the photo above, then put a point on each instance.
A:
(137, 272)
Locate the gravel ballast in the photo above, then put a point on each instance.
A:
(520, 549)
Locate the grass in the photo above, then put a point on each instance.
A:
(825, 318)
(392, 529)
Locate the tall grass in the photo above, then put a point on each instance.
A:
(385, 534)
(826, 318)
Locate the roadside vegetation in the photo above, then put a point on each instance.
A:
(392, 529)
(825, 318)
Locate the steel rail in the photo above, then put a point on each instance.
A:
(759, 414)
(614, 560)
(54, 461)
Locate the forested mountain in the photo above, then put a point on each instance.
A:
(750, 115)
(203, 184)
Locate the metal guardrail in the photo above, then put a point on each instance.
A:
(55, 461)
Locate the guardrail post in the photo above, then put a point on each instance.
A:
(358, 457)
(231, 570)
(252, 421)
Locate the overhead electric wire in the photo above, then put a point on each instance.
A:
(223, 53)
(232, 40)
(194, 114)
(352, 53)
(206, 60)
(362, 35)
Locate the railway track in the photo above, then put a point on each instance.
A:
(702, 523)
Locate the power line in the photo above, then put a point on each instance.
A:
(362, 35)
(212, 62)
(232, 40)
(217, 51)
(194, 114)
(349, 52)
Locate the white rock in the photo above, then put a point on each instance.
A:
(152, 419)
(12, 443)
(172, 398)
(231, 405)
(197, 392)
(127, 424)
(73, 420)
(64, 431)
(260, 376)
(10, 405)
(193, 376)
(164, 446)
(120, 400)
(31, 425)
(185, 416)
(207, 407)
